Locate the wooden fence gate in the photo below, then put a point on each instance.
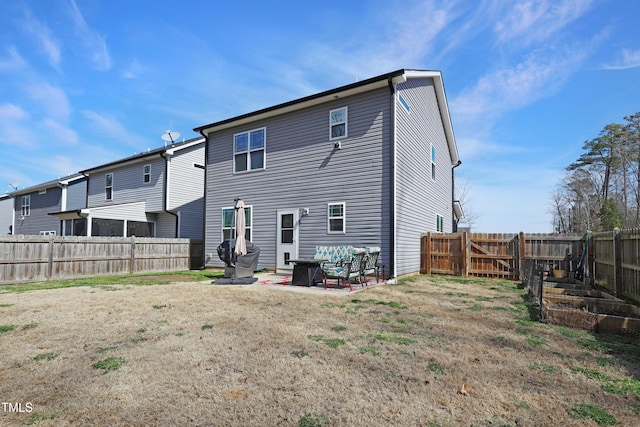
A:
(511, 256)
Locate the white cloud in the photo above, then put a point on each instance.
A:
(534, 21)
(109, 127)
(58, 132)
(51, 98)
(133, 70)
(94, 42)
(540, 75)
(13, 126)
(13, 61)
(626, 59)
(41, 32)
(63, 166)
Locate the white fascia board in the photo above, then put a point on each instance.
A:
(443, 106)
(171, 151)
(296, 106)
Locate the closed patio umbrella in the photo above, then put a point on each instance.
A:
(241, 243)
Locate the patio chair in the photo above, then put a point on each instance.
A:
(344, 269)
(369, 264)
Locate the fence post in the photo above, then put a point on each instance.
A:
(464, 245)
(132, 262)
(427, 252)
(617, 261)
(521, 256)
(50, 261)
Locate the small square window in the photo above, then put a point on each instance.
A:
(338, 123)
(336, 218)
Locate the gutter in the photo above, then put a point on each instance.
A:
(453, 196)
(393, 81)
(204, 197)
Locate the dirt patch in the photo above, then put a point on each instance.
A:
(169, 278)
(201, 354)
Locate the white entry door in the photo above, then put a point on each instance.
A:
(287, 239)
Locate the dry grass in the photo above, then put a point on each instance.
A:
(200, 354)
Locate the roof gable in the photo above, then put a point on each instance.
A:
(389, 79)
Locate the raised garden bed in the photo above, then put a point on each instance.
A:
(592, 310)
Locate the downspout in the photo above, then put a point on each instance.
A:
(204, 197)
(392, 136)
(166, 194)
(63, 206)
(392, 83)
(453, 196)
(88, 219)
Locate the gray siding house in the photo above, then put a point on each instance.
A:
(33, 206)
(367, 164)
(159, 193)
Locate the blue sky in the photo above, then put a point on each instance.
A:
(85, 82)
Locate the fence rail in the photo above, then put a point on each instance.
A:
(31, 258)
(612, 260)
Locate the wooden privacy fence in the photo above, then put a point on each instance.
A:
(616, 262)
(511, 256)
(612, 260)
(32, 258)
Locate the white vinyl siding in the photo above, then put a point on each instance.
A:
(420, 197)
(185, 190)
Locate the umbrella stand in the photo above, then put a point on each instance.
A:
(235, 280)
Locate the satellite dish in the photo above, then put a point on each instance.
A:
(170, 136)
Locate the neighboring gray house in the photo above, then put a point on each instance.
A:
(159, 193)
(367, 164)
(6, 214)
(32, 206)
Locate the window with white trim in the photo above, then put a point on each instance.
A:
(336, 220)
(108, 186)
(439, 223)
(249, 150)
(338, 123)
(25, 205)
(146, 174)
(433, 162)
(229, 226)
